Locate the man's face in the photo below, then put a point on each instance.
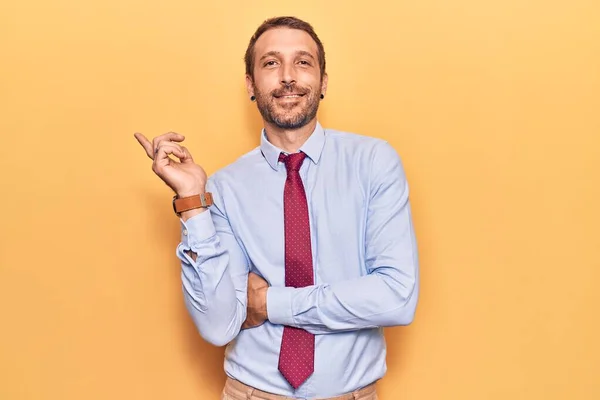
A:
(287, 78)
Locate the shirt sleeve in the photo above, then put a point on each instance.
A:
(387, 294)
(214, 286)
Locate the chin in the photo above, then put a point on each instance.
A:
(289, 116)
(292, 122)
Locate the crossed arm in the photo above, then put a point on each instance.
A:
(223, 298)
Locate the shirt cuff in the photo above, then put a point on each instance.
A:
(197, 229)
(279, 305)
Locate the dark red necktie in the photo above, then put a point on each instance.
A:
(296, 358)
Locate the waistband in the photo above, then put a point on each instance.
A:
(245, 391)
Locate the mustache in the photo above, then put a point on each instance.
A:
(289, 89)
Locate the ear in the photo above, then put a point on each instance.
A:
(249, 86)
(324, 84)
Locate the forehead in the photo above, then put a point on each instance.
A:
(285, 41)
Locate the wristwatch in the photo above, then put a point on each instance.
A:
(202, 200)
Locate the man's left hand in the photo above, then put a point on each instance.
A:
(257, 301)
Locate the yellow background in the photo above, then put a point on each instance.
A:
(494, 107)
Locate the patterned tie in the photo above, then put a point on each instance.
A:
(296, 358)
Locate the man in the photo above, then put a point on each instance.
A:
(301, 251)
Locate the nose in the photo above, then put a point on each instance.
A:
(288, 75)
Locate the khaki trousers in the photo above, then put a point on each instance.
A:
(236, 390)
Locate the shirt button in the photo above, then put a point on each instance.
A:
(185, 232)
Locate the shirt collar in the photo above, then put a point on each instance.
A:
(313, 147)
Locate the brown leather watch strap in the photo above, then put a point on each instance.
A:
(203, 200)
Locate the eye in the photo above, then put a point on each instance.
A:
(270, 63)
(304, 62)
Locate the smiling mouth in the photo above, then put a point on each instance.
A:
(290, 96)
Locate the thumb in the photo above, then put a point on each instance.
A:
(186, 156)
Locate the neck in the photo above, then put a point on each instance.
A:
(289, 140)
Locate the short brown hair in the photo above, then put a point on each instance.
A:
(286, 22)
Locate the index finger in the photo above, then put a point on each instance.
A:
(145, 144)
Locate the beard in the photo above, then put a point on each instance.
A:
(290, 115)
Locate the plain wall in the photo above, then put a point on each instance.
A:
(493, 106)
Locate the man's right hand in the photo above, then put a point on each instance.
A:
(185, 177)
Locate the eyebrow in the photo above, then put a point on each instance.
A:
(277, 53)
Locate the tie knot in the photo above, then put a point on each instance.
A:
(293, 162)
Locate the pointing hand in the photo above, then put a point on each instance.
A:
(185, 177)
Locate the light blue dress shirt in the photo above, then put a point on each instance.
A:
(365, 262)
